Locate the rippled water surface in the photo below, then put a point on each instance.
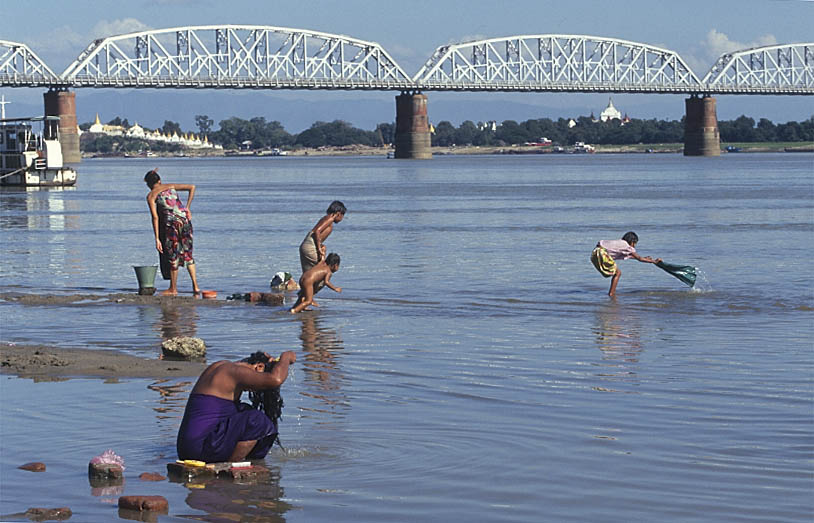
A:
(473, 368)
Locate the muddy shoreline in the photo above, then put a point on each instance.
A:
(47, 363)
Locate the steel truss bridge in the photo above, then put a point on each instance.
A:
(265, 57)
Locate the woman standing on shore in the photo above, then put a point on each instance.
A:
(172, 225)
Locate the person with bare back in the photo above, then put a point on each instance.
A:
(312, 248)
(314, 279)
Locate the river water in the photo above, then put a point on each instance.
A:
(473, 367)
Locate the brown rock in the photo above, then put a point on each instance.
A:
(246, 474)
(144, 503)
(270, 298)
(34, 466)
(105, 471)
(183, 473)
(46, 514)
(151, 476)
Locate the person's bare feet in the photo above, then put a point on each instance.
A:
(169, 292)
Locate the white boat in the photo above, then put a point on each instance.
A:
(27, 158)
(582, 147)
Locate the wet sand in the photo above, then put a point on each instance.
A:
(42, 363)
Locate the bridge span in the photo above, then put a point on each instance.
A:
(267, 57)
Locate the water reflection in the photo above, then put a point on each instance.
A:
(177, 319)
(225, 500)
(171, 403)
(323, 374)
(38, 208)
(618, 336)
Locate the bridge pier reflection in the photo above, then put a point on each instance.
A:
(412, 126)
(62, 103)
(701, 137)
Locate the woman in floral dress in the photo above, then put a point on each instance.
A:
(172, 226)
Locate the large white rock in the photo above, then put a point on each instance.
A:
(184, 347)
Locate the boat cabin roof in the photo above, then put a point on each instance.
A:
(31, 119)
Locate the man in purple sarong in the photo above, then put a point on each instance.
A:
(217, 427)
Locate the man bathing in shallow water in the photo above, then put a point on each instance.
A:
(217, 427)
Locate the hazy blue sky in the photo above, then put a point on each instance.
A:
(58, 30)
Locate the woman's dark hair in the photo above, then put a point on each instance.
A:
(631, 237)
(332, 259)
(269, 400)
(152, 178)
(336, 206)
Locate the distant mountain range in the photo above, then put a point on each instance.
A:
(298, 110)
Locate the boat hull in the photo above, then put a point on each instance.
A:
(40, 178)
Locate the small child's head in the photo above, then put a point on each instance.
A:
(631, 238)
(337, 208)
(333, 261)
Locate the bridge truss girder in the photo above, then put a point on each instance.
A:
(781, 69)
(21, 67)
(556, 63)
(232, 56)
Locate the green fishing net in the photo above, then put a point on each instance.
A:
(685, 273)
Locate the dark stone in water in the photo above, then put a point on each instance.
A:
(34, 466)
(151, 476)
(144, 503)
(187, 473)
(48, 514)
(146, 291)
(105, 471)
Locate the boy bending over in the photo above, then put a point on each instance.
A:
(312, 281)
(606, 253)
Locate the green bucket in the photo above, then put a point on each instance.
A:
(146, 276)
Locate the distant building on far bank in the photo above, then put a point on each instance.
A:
(610, 113)
(136, 131)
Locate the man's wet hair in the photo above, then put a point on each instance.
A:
(268, 400)
(336, 206)
(152, 178)
(332, 259)
(631, 237)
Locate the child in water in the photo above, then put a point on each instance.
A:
(312, 281)
(606, 253)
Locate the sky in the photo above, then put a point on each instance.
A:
(410, 30)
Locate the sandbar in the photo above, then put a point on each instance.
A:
(44, 363)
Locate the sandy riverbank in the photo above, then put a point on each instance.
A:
(362, 150)
(44, 363)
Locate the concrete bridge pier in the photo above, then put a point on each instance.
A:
(62, 103)
(701, 137)
(412, 126)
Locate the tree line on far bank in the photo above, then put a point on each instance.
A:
(258, 133)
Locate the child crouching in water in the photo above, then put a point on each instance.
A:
(606, 253)
(312, 281)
